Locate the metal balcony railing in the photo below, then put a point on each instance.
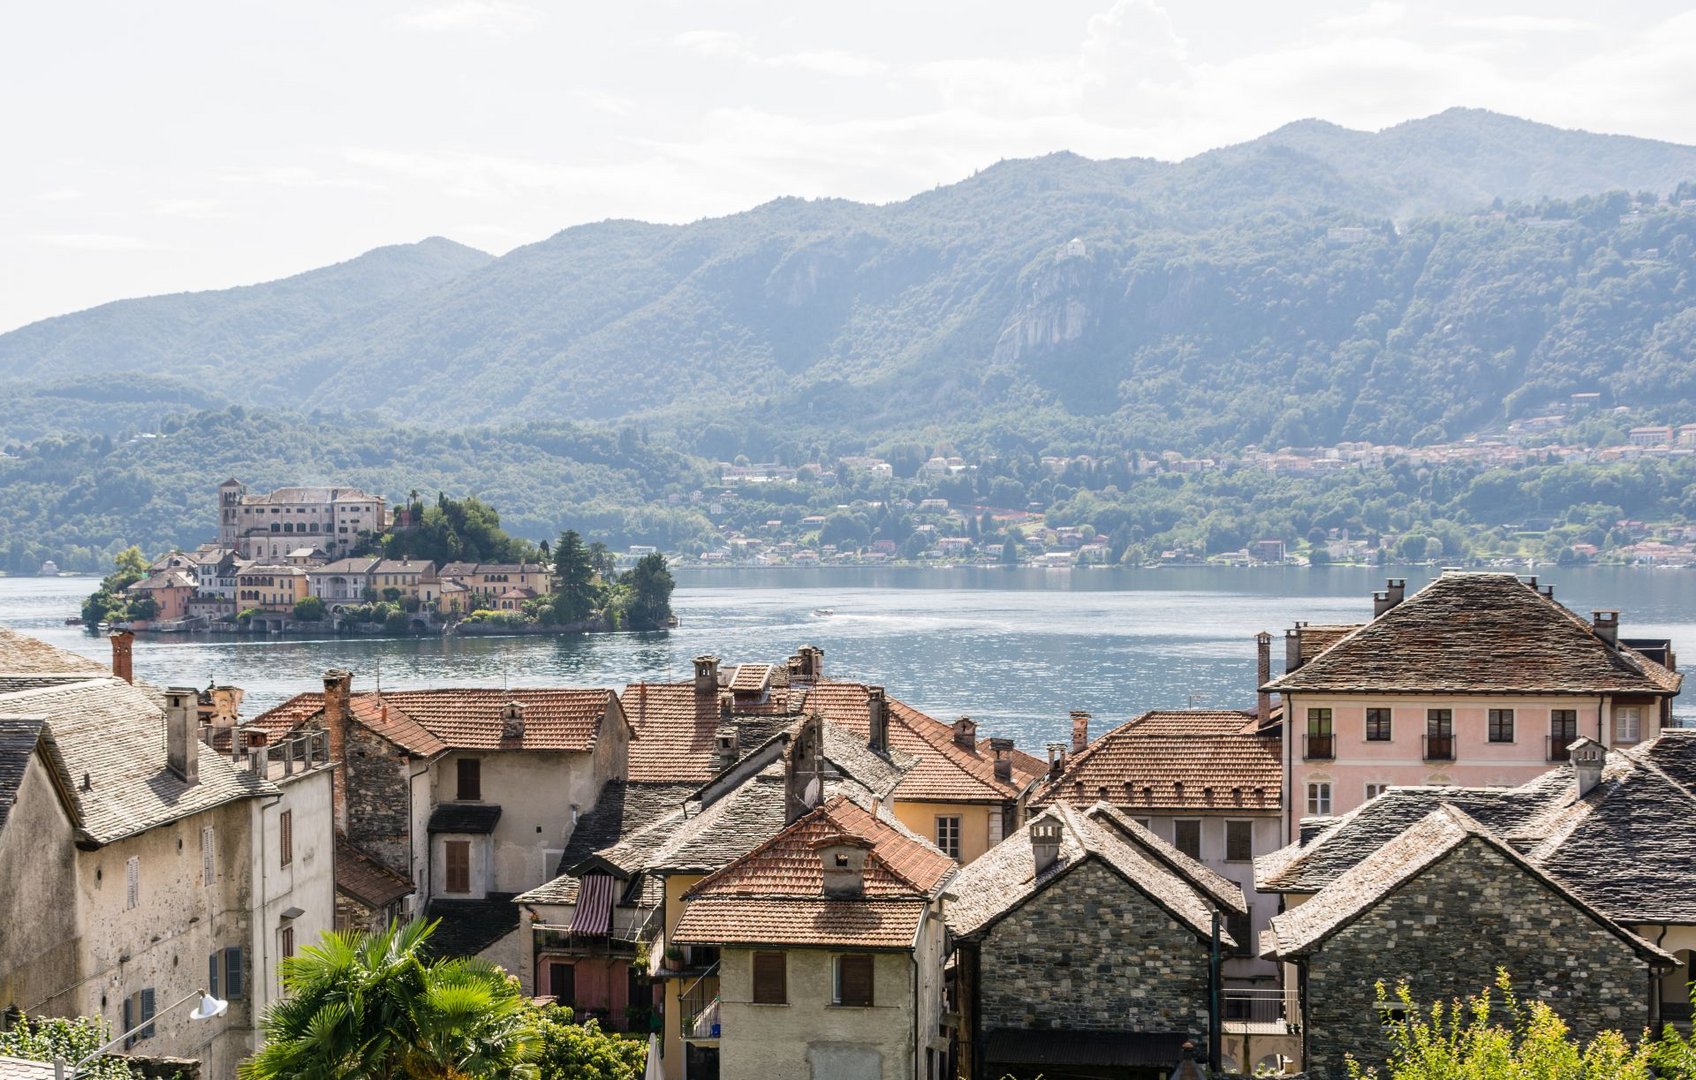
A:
(1439, 748)
(1319, 747)
(1253, 1006)
(697, 1007)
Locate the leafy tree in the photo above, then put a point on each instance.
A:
(648, 606)
(43, 1038)
(1010, 551)
(108, 603)
(373, 1006)
(575, 596)
(571, 1051)
(309, 609)
(1465, 1041)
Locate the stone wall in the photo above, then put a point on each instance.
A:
(1445, 932)
(378, 800)
(1091, 952)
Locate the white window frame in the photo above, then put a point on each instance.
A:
(1319, 798)
(1628, 723)
(1375, 790)
(949, 845)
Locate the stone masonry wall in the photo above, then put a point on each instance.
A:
(378, 800)
(1090, 952)
(1446, 932)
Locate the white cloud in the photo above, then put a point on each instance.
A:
(59, 195)
(496, 18)
(1521, 24)
(288, 176)
(95, 241)
(190, 209)
(726, 45)
(1376, 16)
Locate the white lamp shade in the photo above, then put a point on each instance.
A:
(209, 1007)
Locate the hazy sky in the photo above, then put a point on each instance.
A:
(154, 147)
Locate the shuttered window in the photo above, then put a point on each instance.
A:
(771, 979)
(1186, 837)
(470, 780)
(1239, 841)
(457, 856)
(285, 834)
(853, 980)
(234, 982)
(287, 942)
(562, 982)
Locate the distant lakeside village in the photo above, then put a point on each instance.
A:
(766, 866)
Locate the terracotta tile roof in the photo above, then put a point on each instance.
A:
(1197, 761)
(1437, 836)
(21, 654)
(114, 734)
(429, 722)
(1625, 847)
(1478, 633)
(1005, 878)
(944, 771)
(367, 880)
(750, 678)
(774, 894)
(675, 728)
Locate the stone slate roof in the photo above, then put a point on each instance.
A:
(1315, 638)
(1435, 837)
(623, 810)
(15, 1068)
(1478, 633)
(430, 722)
(21, 654)
(367, 880)
(1196, 761)
(113, 734)
(774, 895)
(20, 738)
(470, 926)
(1225, 892)
(453, 817)
(1624, 848)
(1005, 877)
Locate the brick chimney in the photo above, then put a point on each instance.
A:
(1292, 648)
(1262, 676)
(877, 710)
(123, 666)
(1045, 843)
(1605, 625)
(1395, 590)
(842, 860)
(966, 733)
(1080, 731)
(1003, 750)
(706, 676)
(182, 724)
(338, 722)
(1588, 757)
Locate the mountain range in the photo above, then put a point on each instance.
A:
(1314, 284)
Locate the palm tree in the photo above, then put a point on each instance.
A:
(372, 1006)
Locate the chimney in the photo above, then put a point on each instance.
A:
(1080, 731)
(1003, 750)
(1292, 648)
(1605, 625)
(1395, 590)
(842, 860)
(338, 721)
(182, 723)
(512, 721)
(812, 663)
(1045, 843)
(966, 733)
(1588, 757)
(1262, 676)
(1548, 592)
(1056, 758)
(727, 747)
(877, 709)
(122, 665)
(706, 676)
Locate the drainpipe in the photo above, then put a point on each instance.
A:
(1214, 1034)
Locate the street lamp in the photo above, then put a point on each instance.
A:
(208, 1008)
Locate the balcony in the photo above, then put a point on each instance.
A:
(1318, 747)
(697, 1007)
(1557, 747)
(1439, 748)
(1261, 1011)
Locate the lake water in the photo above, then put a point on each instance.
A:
(1015, 649)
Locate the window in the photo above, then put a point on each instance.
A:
(457, 859)
(1377, 725)
(1318, 743)
(470, 780)
(1186, 837)
(1319, 721)
(1239, 841)
(285, 836)
(132, 884)
(948, 836)
(1439, 735)
(138, 1010)
(1563, 732)
(1319, 799)
(1375, 790)
(771, 979)
(1628, 723)
(1439, 722)
(207, 869)
(562, 982)
(853, 980)
(1501, 725)
(1241, 930)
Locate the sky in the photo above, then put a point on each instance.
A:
(152, 148)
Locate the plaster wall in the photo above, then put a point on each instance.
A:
(40, 932)
(1267, 834)
(920, 817)
(540, 795)
(306, 882)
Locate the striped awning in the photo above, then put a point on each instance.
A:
(594, 906)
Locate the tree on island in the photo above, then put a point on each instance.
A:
(576, 595)
(109, 603)
(456, 530)
(648, 605)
